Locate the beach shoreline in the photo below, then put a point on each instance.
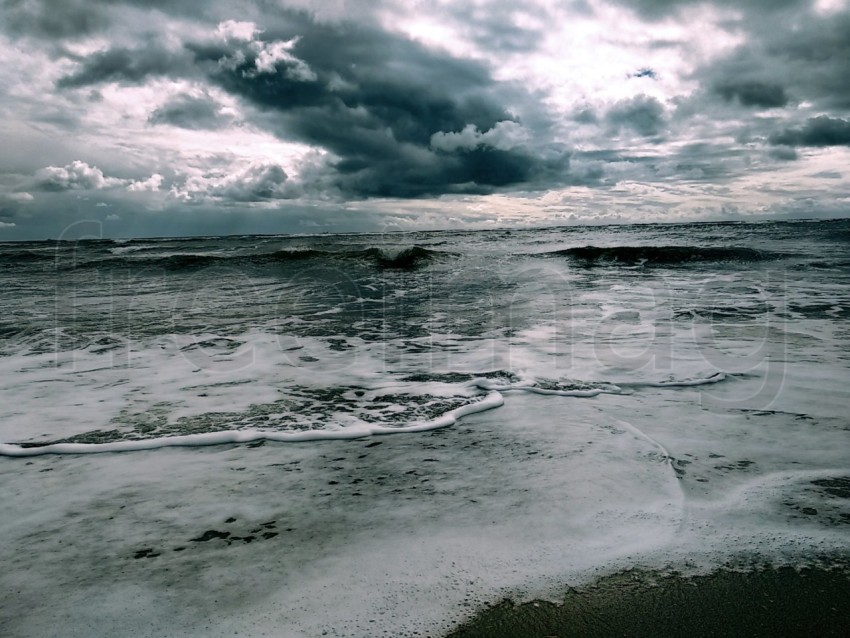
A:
(762, 601)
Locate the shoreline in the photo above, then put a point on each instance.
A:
(765, 601)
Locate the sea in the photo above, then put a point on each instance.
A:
(378, 434)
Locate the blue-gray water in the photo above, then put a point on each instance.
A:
(554, 306)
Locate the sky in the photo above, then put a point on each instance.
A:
(123, 118)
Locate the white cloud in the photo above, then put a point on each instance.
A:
(74, 176)
(151, 184)
(504, 135)
(234, 30)
(267, 54)
(830, 6)
(257, 182)
(7, 224)
(270, 53)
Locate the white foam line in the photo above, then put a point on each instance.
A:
(562, 393)
(668, 461)
(611, 388)
(668, 458)
(717, 377)
(492, 400)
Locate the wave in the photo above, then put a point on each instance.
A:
(662, 255)
(490, 387)
(404, 259)
(578, 388)
(407, 258)
(488, 402)
(26, 257)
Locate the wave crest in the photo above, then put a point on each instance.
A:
(408, 258)
(662, 255)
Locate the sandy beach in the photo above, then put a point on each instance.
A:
(769, 602)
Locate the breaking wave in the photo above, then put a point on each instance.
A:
(26, 257)
(339, 413)
(407, 258)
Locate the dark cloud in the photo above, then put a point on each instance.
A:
(585, 116)
(815, 57)
(375, 100)
(129, 66)
(10, 209)
(753, 93)
(783, 153)
(712, 162)
(642, 114)
(776, 64)
(819, 131)
(53, 19)
(190, 112)
(659, 9)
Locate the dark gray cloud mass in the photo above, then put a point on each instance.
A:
(753, 93)
(192, 112)
(658, 9)
(56, 19)
(783, 153)
(787, 57)
(375, 100)
(642, 114)
(371, 98)
(74, 19)
(818, 131)
(124, 65)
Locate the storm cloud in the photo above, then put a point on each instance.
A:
(818, 131)
(376, 102)
(373, 100)
(776, 65)
(753, 93)
(642, 114)
(196, 112)
(123, 65)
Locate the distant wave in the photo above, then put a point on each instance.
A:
(664, 255)
(26, 257)
(407, 258)
(840, 235)
(189, 261)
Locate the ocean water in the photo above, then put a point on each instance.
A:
(562, 401)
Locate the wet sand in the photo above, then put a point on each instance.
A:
(767, 602)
